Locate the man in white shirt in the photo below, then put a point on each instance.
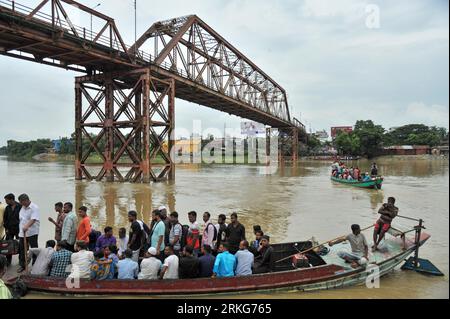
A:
(81, 261)
(209, 231)
(122, 242)
(44, 256)
(170, 266)
(28, 227)
(150, 265)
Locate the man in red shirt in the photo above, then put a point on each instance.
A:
(84, 228)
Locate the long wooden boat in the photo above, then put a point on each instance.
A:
(375, 183)
(326, 272)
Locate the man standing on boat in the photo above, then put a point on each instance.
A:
(235, 234)
(388, 212)
(11, 220)
(29, 228)
(59, 208)
(69, 227)
(360, 250)
(374, 170)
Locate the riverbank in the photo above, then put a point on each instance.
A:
(384, 157)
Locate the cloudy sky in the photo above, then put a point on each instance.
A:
(337, 60)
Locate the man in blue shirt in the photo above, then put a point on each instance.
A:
(158, 233)
(225, 263)
(244, 260)
(128, 268)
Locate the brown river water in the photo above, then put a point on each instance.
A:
(293, 204)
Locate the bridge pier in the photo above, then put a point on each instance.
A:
(288, 145)
(124, 127)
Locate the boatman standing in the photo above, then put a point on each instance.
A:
(388, 212)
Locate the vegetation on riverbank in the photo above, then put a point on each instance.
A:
(367, 138)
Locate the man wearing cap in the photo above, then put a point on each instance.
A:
(264, 259)
(150, 265)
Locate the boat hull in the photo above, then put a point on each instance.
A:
(306, 279)
(373, 184)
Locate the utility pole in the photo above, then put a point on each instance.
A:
(135, 24)
(98, 5)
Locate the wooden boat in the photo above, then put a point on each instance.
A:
(325, 272)
(374, 183)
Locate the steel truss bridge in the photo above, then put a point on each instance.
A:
(126, 94)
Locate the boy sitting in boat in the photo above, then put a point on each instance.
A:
(388, 212)
(359, 255)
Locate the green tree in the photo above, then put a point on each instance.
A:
(370, 137)
(416, 134)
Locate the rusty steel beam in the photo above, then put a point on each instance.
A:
(149, 114)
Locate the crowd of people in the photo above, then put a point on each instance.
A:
(341, 171)
(161, 249)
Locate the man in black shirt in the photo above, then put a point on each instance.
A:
(189, 264)
(136, 240)
(264, 261)
(221, 232)
(11, 220)
(235, 233)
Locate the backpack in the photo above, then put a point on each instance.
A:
(184, 233)
(215, 231)
(144, 227)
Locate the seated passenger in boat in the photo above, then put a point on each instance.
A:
(111, 253)
(388, 212)
(61, 260)
(264, 260)
(170, 265)
(206, 262)
(44, 255)
(128, 268)
(366, 177)
(360, 250)
(244, 260)
(150, 265)
(81, 261)
(255, 243)
(102, 268)
(189, 264)
(225, 264)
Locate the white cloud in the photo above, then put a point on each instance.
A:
(428, 114)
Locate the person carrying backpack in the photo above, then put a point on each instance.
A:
(176, 234)
(210, 232)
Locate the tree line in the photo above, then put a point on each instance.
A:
(367, 138)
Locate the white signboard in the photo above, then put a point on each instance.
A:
(252, 128)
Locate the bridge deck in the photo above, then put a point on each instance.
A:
(37, 39)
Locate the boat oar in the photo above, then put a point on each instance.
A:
(25, 247)
(314, 247)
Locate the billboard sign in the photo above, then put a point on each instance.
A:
(252, 128)
(337, 129)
